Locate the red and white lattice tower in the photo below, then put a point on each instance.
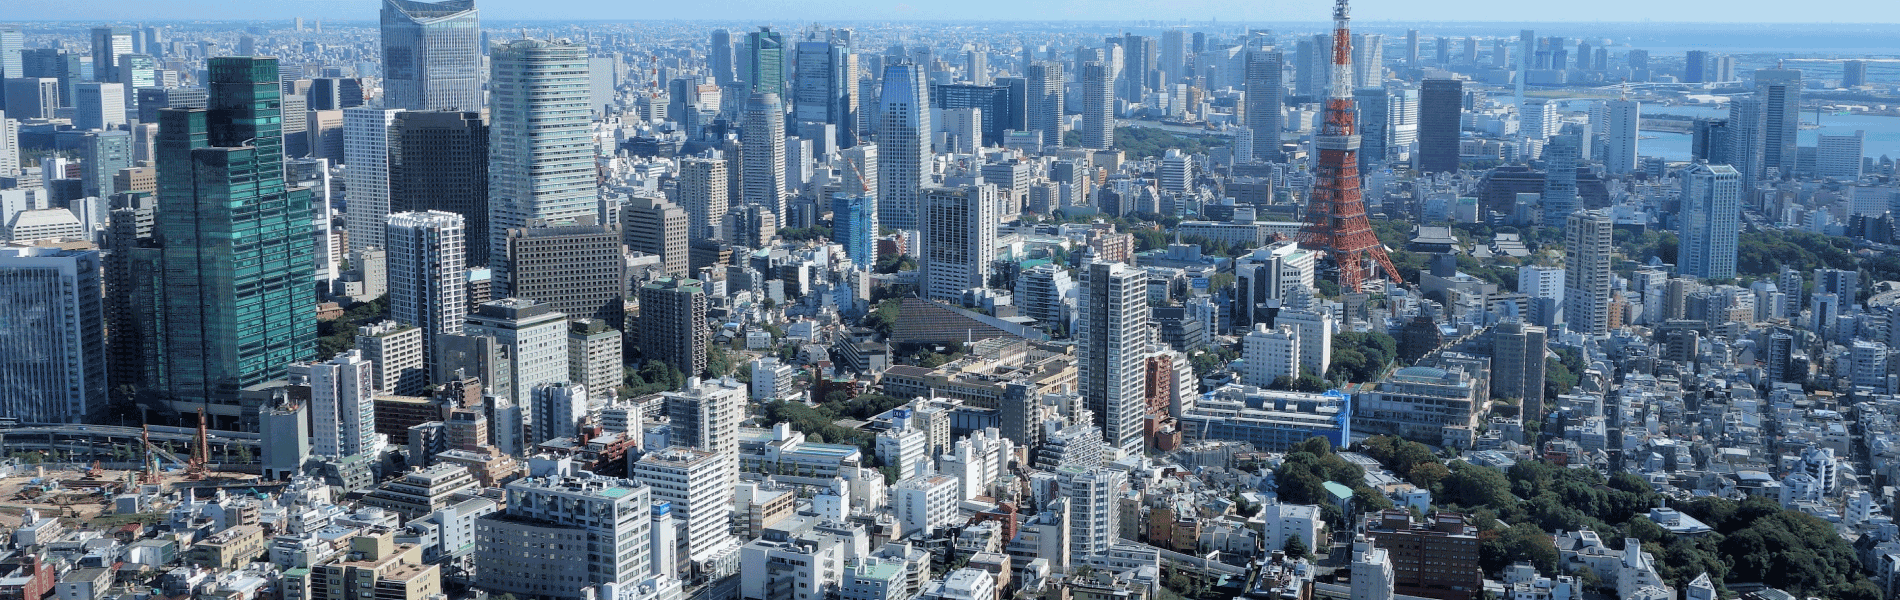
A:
(1335, 214)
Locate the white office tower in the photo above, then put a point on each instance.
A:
(1316, 329)
(706, 416)
(531, 347)
(9, 145)
(541, 146)
(1537, 121)
(1176, 172)
(978, 460)
(1368, 60)
(1094, 496)
(1372, 576)
(959, 227)
(762, 151)
(366, 173)
(1711, 221)
(1268, 354)
(585, 530)
(1045, 293)
(924, 503)
(962, 129)
(1541, 282)
(903, 139)
(342, 404)
(1587, 237)
(704, 194)
(54, 337)
(1098, 106)
(428, 285)
(1625, 116)
(698, 485)
(1836, 156)
(1113, 334)
(559, 407)
(976, 67)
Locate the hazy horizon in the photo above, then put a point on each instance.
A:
(1609, 12)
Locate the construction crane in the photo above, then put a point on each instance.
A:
(200, 451)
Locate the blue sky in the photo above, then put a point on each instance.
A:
(1739, 11)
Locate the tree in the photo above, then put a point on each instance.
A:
(1295, 547)
(1476, 486)
(1520, 542)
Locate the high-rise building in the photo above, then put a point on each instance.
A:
(1560, 176)
(1711, 221)
(1780, 93)
(235, 266)
(1266, 100)
(826, 87)
(107, 44)
(1853, 72)
(612, 514)
(531, 338)
(1045, 102)
(335, 93)
(1517, 369)
(541, 148)
(342, 406)
(657, 227)
(396, 355)
(1434, 559)
(9, 145)
(53, 368)
(595, 357)
(702, 192)
(903, 139)
(673, 323)
(854, 226)
(959, 226)
(577, 269)
(438, 161)
(98, 105)
(1587, 246)
(1113, 334)
(32, 97)
(1098, 106)
(1744, 140)
(1441, 106)
(1002, 107)
(765, 67)
(707, 416)
(1094, 494)
(764, 149)
(1268, 354)
(1174, 56)
(1411, 48)
(105, 153)
(1375, 122)
(432, 55)
(699, 487)
(366, 178)
(1839, 156)
(1138, 61)
(720, 58)
(11, 42)
(1619, 156)
(427, 275)
(1368, 59)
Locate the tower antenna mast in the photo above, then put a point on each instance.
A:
(1336, 211)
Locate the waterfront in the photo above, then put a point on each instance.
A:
(1883, 133)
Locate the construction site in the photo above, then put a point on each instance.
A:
(84, 473)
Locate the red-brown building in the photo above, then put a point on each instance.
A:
(1434, 559)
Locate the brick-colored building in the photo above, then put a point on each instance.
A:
(1434, 559)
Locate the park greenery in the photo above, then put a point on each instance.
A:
(339, 334)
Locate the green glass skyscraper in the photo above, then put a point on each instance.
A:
(236, 305)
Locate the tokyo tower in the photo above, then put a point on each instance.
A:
(1335, 214)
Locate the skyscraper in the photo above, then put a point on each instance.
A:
(1780, 93)
(903, 138)
(438, 161)
(1266, 100)
(1138, 59)
(1173, 53)
(673, 323)
(366, 180)
(541, 147)
(959, 240)
(1375, 122)
(854, 226)
(53, 346)
(1853, 72)
(1745, 138)
(657, 227)
(432, 55)
(105, 152)
(1368, 60)
(765, 69)
(1711, 221)
(721, 58)
(1560, 175)
(1113, 333)
(577, 268)
(1587, 246)
(1619, 157)
(617, 525)
(427, 275)
(342, 407)
(1440, 111)
(98, 105)
(11, 42)
(1098, 107)
(1045, 102)
(826, 88)
(702, 192)
(1695, 66)
(764, 149)
(107, 44)
(235, 264)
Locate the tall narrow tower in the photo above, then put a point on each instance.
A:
(1336, 216)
